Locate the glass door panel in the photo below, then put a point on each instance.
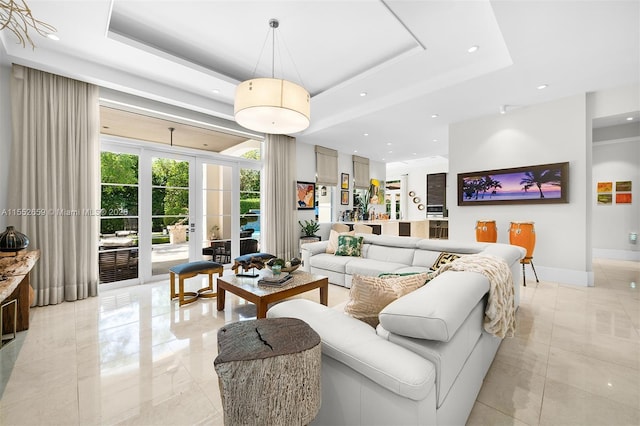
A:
(249, 209)
(217, 217)
(169, 213)
(118, 242)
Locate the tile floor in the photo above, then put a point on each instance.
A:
(132, 357)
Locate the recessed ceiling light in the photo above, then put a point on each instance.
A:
(435, 140)
(53, 37)
(216, 91)
(390, 152)
(388, 143)
(434, 115)
(473, 49)
(363, 94)
(542, 86)
(629, 118)
(365, 134)
(355, 150)
(414, 153)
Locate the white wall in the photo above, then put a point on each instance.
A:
(5, 137)
(548, 133)
(612, 223)
(615, 161)
(416, 172)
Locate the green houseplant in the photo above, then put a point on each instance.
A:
(309, 227)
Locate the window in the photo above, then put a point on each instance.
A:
(118, 247)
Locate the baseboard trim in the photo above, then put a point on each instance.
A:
(616, 254)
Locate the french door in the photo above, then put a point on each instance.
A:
(162, 208)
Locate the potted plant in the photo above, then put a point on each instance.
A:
(309, 228)
(362, 203)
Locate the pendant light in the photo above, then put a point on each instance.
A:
(272, 105)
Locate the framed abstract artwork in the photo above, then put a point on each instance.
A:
(344, 181)
(306, 195)
(344, 198)
(539, 184)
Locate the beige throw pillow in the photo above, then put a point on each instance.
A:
(332, 246)
(369, 295)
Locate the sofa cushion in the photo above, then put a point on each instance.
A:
(451, 246)
(425, 258)
(443, 259)
(391, 241)
(349, 245)
(436, 310)
(390, 254)
(330, 262)
(369, 295)
(412, 270)
(357, 346)
(332, 246)
(370, 267)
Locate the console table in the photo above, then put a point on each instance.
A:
(14, 285)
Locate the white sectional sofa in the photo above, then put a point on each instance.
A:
(425, 362)
(391, 254)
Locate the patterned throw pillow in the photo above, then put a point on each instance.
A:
(443, 259)
(332, 246)
(349, 245)
(369, 295)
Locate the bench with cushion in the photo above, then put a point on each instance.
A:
(190, 270)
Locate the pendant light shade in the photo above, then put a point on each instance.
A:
(272, 105)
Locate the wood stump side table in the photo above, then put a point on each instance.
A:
(269, 372)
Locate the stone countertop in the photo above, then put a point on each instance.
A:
(14, 268)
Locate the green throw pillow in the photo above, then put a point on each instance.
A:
(349, 245)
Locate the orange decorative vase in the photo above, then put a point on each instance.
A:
(523, 234)
(486, 231)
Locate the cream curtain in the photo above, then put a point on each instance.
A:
(281, 233)
(54, 180)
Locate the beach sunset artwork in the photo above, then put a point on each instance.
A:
(534, 184)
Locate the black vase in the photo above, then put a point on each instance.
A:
(12, 240)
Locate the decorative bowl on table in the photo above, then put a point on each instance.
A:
(288, 266)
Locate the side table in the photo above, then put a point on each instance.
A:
(269, 371)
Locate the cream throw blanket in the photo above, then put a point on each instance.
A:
(500, 313)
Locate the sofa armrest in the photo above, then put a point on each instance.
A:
(311, 249)
(356, 344)
(436, 310)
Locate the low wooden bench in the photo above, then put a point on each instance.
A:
(190, 270)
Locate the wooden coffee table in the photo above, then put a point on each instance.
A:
(248, 289)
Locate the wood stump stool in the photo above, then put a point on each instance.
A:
(269, 371)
